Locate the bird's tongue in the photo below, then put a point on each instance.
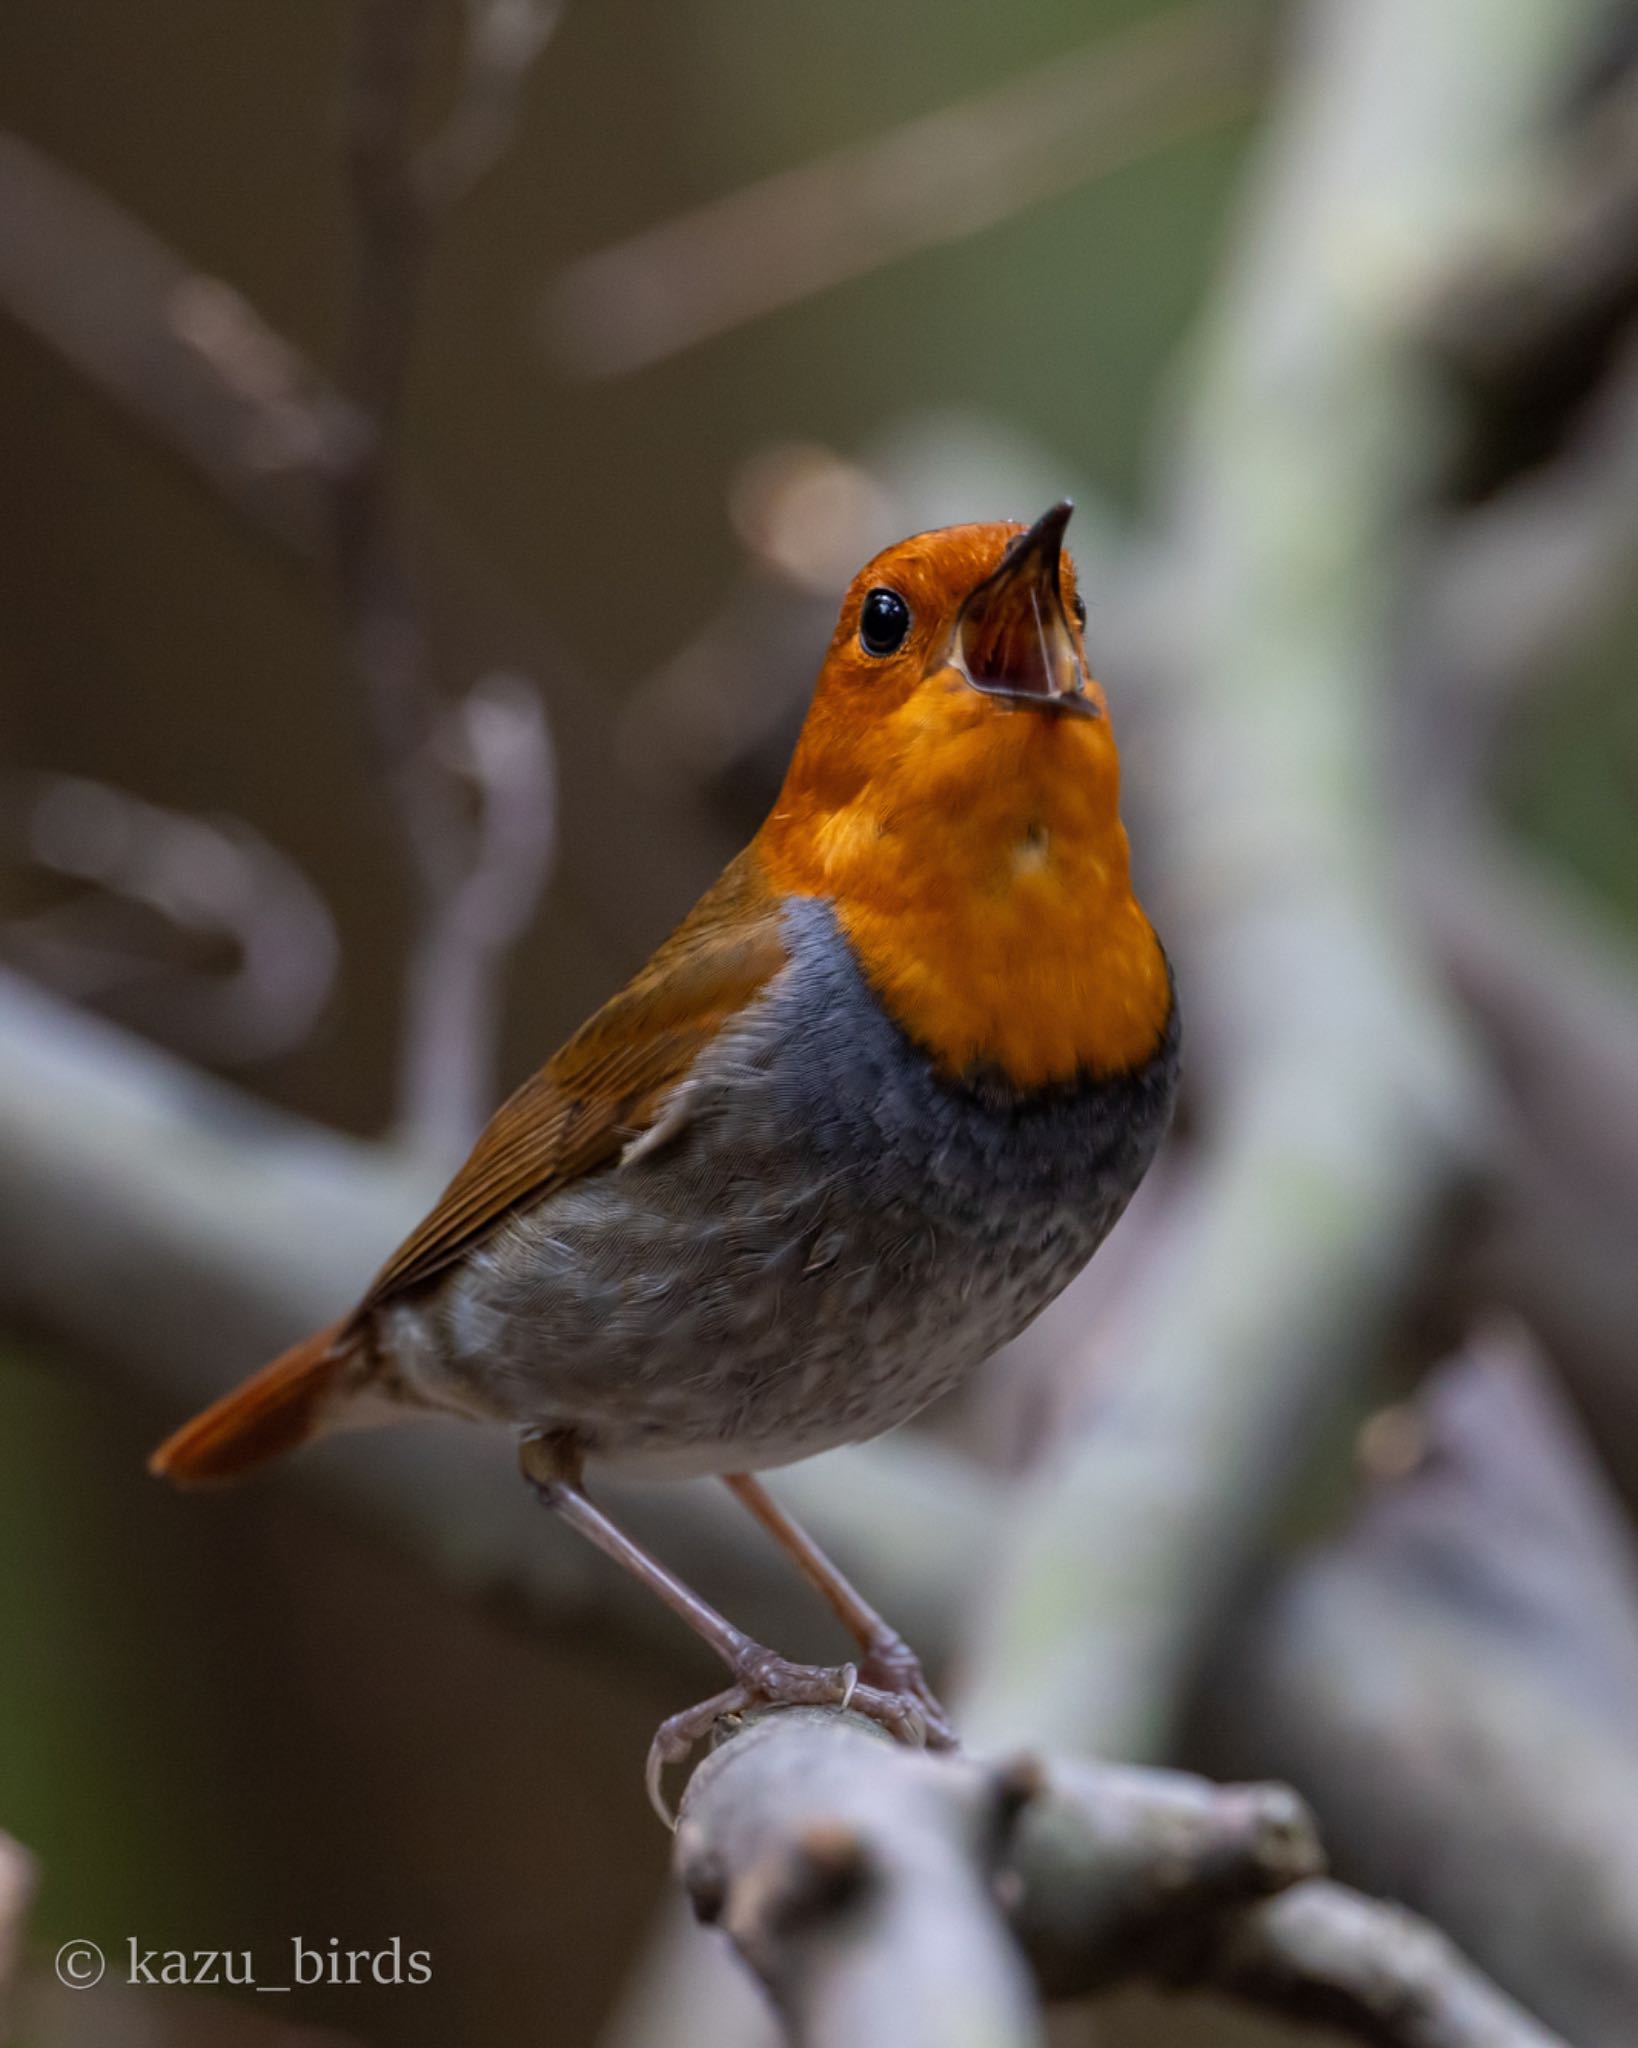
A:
(1012, 637)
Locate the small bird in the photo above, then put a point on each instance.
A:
(871, 1106)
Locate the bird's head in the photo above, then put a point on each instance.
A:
(957, 662)
(955, 793)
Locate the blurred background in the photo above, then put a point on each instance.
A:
(435, 437)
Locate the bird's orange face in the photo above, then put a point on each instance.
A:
(952, 647)
(955, 793)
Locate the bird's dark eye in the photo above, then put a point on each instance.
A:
(884, 622)
(1079, 609)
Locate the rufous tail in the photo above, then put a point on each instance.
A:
(272, 1412)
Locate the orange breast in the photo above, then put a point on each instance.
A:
(988, 897)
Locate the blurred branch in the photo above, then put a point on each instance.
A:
(16, 1894)
(1338, 1100)
(1531, 325)
(936, 180)
(219, 1230)
(1506, 590)
(1326, 1954)
(188, 360)
(1509, 592)
(192, 360)
(473, 790)
(181, 353)
(404, 192)
(154, 877)
(497, 745)
(1556, 997)
(504, 38)
(1454, 1684)
(861, 1883)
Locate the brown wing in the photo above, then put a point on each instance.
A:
(609, 1083)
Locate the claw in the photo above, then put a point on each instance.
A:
(894, 1669)
(914, 1722)
(769, 1681)
(654, 1785)
(676, 1737)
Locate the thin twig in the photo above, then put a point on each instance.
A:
(193, 364)
(191, 359)
(158, 887)
(181, 353)
(504, 39)
(472, 789)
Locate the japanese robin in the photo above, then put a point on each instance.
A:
(870, 1107)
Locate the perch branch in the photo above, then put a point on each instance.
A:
(854, 1879)
(867, 1887)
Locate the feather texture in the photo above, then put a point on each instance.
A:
(613, 1079)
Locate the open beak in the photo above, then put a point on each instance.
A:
(1013, 639)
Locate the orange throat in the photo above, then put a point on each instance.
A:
(988, 900)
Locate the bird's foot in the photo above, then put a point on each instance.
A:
(891, 1666)
(765, 1680)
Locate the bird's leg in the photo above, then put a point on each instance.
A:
(552, 1468)
(889, 1664)
(551, 1464)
